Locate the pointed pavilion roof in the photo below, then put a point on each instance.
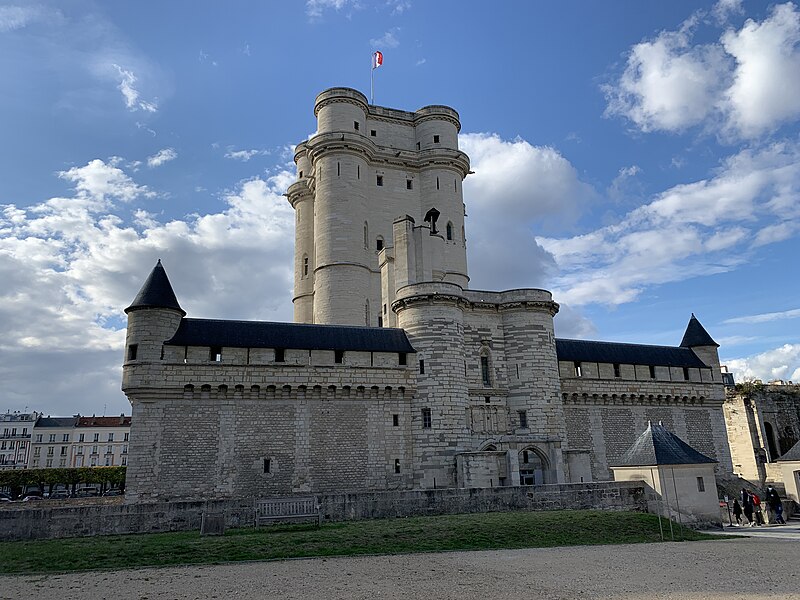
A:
(696, 335)
(792, 454)
(156, 292)
(658, 446)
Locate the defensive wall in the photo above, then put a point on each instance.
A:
(80, 521)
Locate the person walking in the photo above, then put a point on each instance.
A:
(747, 507)
(773, 499)
(737, 512)
(759, 513)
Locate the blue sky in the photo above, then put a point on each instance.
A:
(640, 159)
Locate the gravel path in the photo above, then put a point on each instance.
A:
(724, 569)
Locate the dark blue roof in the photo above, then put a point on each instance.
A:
(56, 422)
(657, 446)
(264, 334)
(792, 454)
(156, 292)
(696, 335)
(626, 354)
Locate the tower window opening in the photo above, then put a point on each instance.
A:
(652, 372)
(396, 465)
(402, 358)
(366, 235)
(409, 184)
(578, 369)
(380, 321)
(358, 171)
(280, 355)
(437, 183)
(355, 125)
(485, 378)
(487, 399)
(616, 370)
(366, 312)
(523, 418)
(133, 349)
(186, 354)
(300, 176)
(215, 354)
(384, 309)
(395, 420)
(305, 266)
(455, 185)
(417, 145)
(379, 244)
(338, 169)
(426, 418)
(525, 456)
(379, 181)
(338, 356)
(162, 351)
(422, 366)
(373, 133)
(686, 373)
(449, 231)
(436, 139)
(267, 465)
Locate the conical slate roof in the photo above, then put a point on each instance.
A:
(792, 454)
(156, 292)
(696, 335)
(657, 446)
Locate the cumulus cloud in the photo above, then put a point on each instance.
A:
(316, 8)
(161, 157)
(516, 189)
(243, 155)
(746, 83)
(692, 229)
(779, 363)
(16, 17)
(70, 264)
(131, 95)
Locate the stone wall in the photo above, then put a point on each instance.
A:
(79, 521)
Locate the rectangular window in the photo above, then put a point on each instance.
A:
(379, 244)
(79, 450)
(108, 461)
(652, 372)
(402, 358)
(395, 420)
(525, 456)
(380, 321)
(417, 145)
(701, 486)
(616, 370)
(49, 463)
(436, 139)
(62, 462)
(24, 431)
(523, 418)
(409, 184)
(50, 451)
(578, 369)
(686, 373)
(355, 125)
(38, 437)
(63, 450)
(338, 169)
(124, 460)
(422, 367)
(215, 354)
(396, 465)
(487, 399)
(267, 465)
(379, 180)
(384, 309)
(94, 462)
(109, 449)
(96, 437)
(280, 355)
(37, 452)
(65, 437)
(125, 449)
(94, 449)
(132, 350)
(373, 133)
(52, 437)
(110, 437)
(426, 418)
(487, 381)
(81, 437)
(338, 356)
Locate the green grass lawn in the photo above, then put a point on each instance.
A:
(389, 536)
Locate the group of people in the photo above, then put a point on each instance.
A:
(751, 506)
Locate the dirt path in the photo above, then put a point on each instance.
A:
(743, 568)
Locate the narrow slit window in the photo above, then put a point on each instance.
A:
(652, 372)
(338, 169)
(616, 370)
(686, 373)
(300, 176)
(701, 485)
(523, 418)
(358, 171)
(215, 354)
(267, 465)
(133, 350)
(305, 266)
(338, 356)
(485, 378)
(409, 184)
(356, 125)
(525, 458)
(417, 145)
(379, 181)
(395, 420)
(380, 321)
(422, 367)
(449, 230)
(578, 369)
(437, 183)
(396, 465)
(280, 355)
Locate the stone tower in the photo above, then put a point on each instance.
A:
(365, 166)
(703, 345)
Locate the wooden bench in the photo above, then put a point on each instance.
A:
(284, 510)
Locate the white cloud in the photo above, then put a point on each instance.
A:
(744, 85)
(724, 9)
(691, 229)
(779, 363)
(504, 210)
(766, 317)
(398, 6)
(70, 265)
(243, 155)
(16, 17)
(130, 93)
(161, 157)
(387, 40)
(315, 8)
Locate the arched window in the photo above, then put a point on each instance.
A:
(449, 230)
(533, 467)
(486, 367)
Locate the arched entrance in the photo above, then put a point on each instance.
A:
(533, 467)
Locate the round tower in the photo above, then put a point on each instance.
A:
(301, 198)
(153, 318)
(432, 314)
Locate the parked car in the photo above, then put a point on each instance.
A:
(4, 497)
(87, 492)
(59, 495)
(113, 492)
(32, 498)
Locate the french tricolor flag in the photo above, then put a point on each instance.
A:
(377, 59)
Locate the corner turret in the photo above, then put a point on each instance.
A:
(698, 340)
(153, 317)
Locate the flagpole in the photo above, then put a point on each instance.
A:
(371, 80)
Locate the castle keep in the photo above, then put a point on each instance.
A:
(395, 375)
